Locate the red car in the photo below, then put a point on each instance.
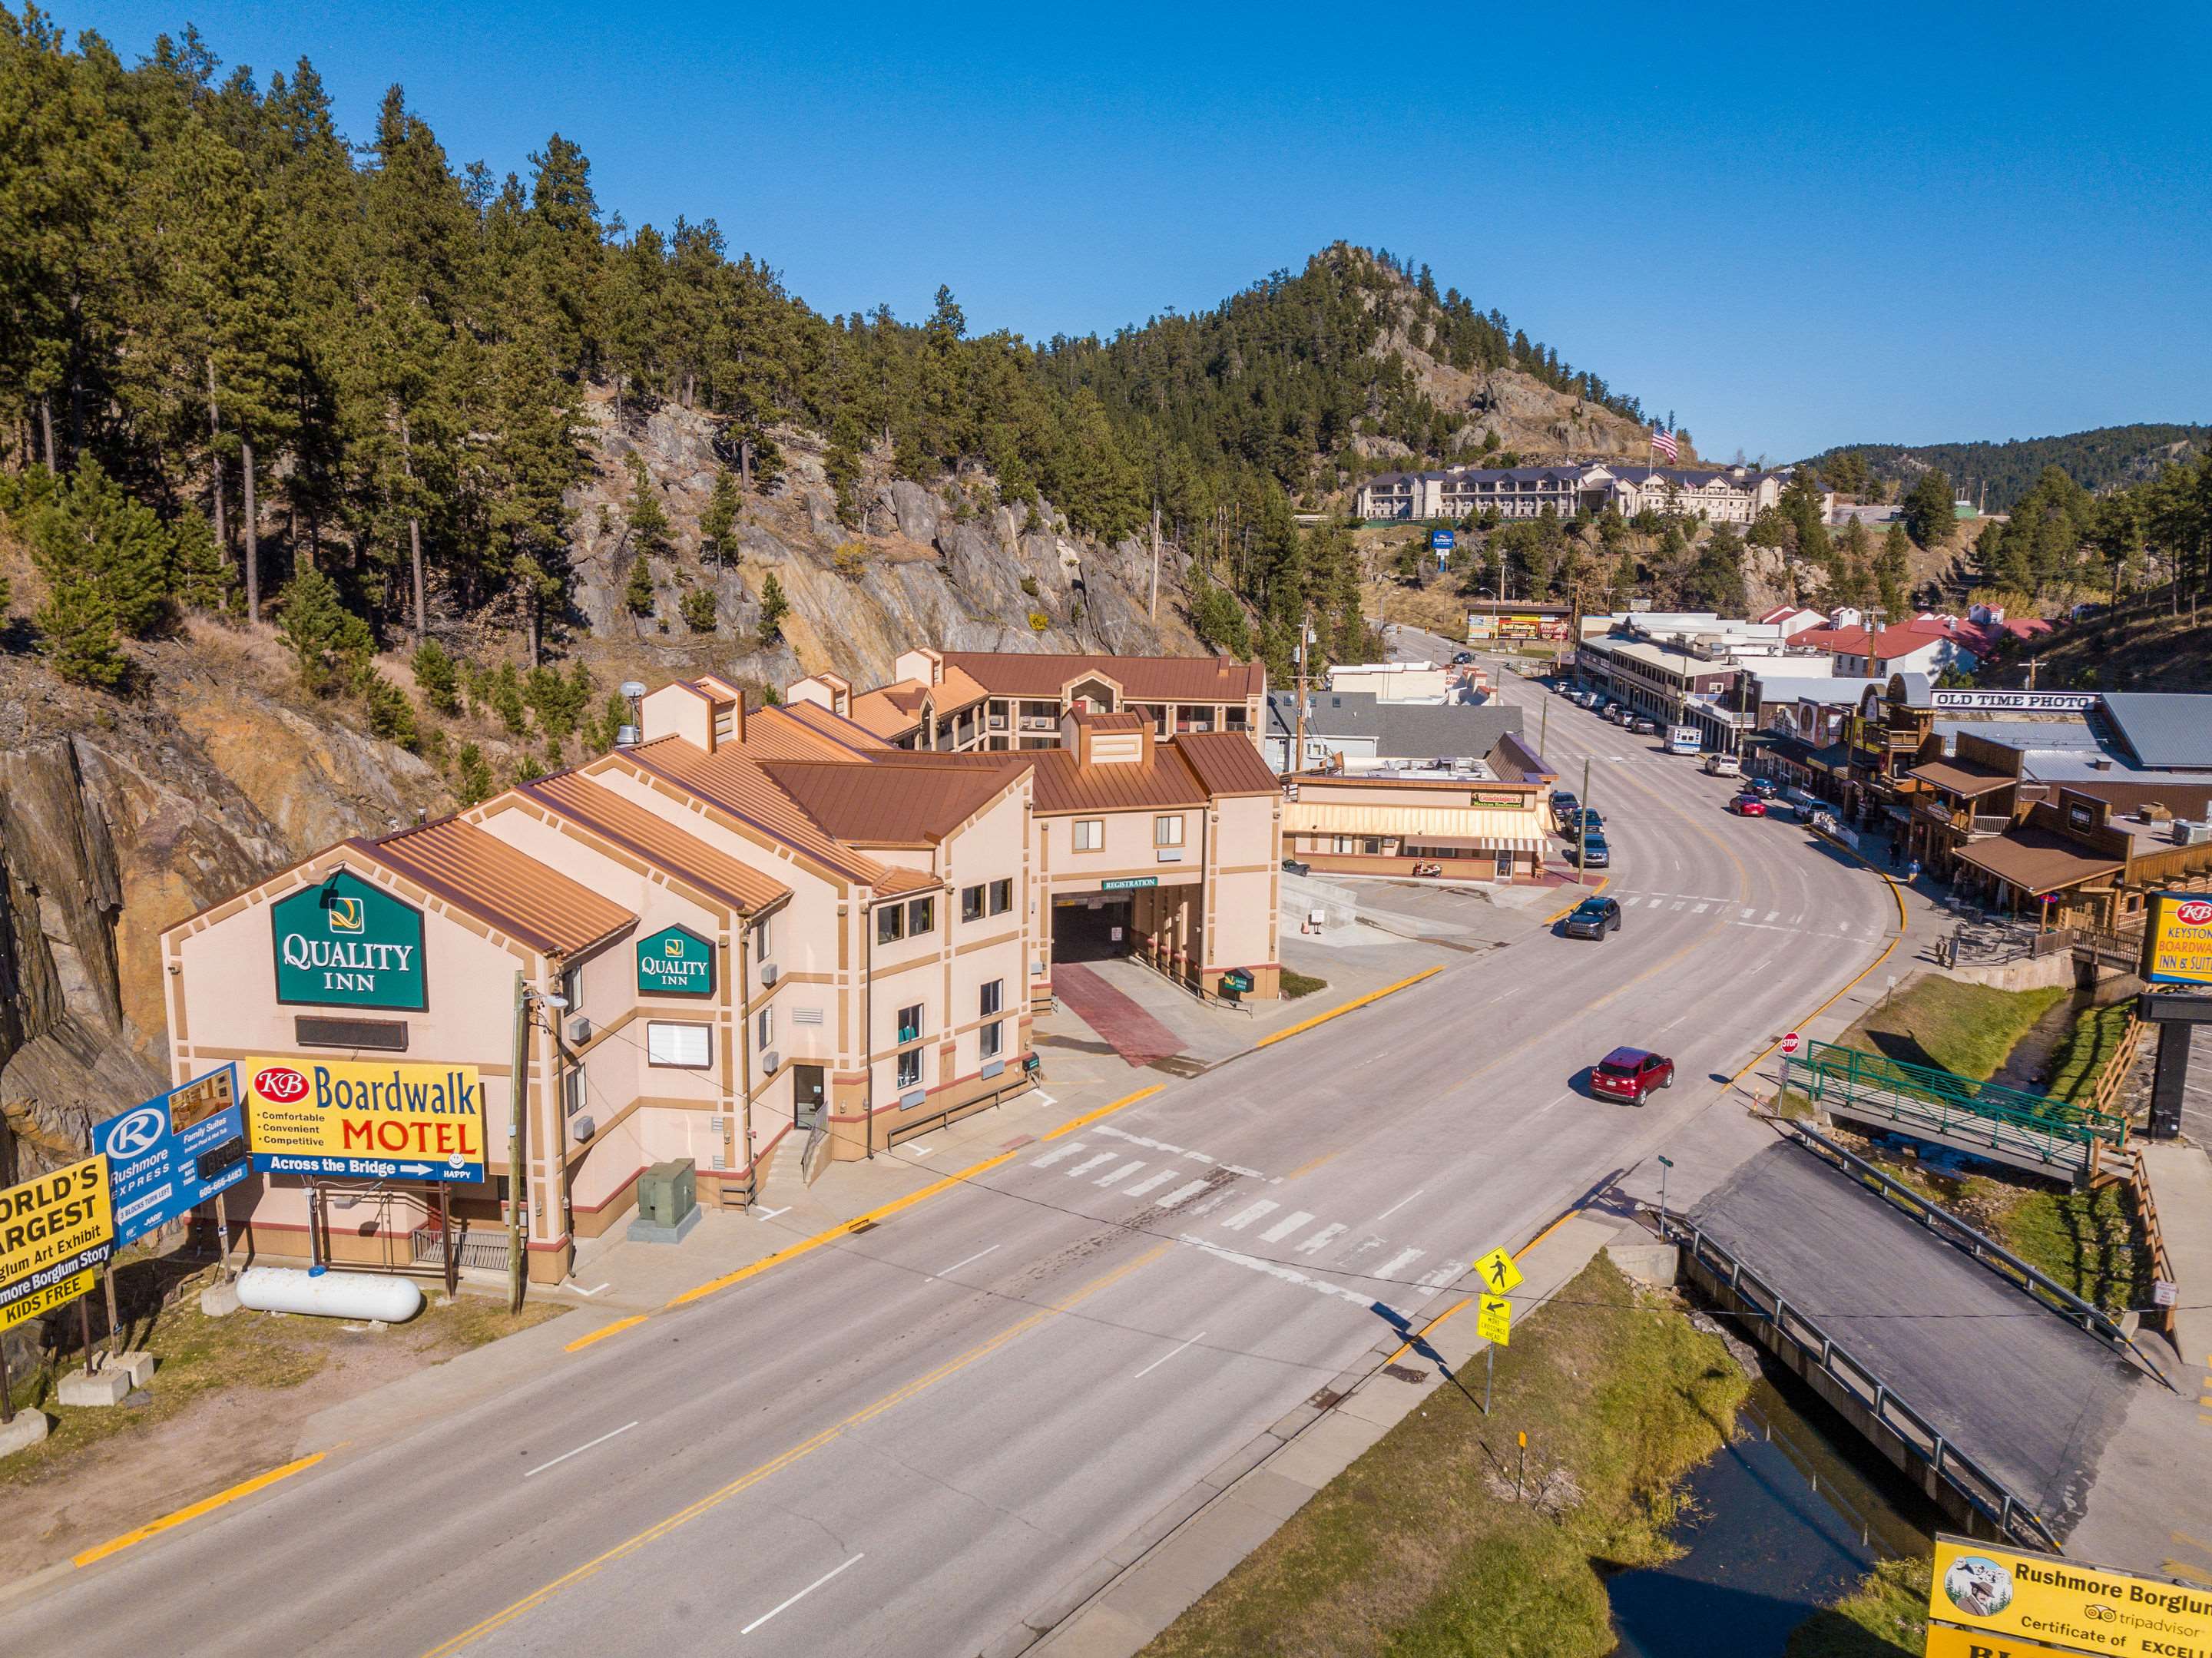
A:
(1747, 805)
(1629, 1074)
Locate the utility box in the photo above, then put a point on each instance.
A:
(667, 1203)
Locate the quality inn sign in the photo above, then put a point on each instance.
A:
(348, 943)
(675, 962)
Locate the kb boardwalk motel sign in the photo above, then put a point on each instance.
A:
(348, 943)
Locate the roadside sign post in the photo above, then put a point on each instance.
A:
(167, 1156)
(7, 1388)
(1521, 1473)
(1582, 837)
(58, 1231)
(1665, 1164)
(1494, 1321)
(114, 1319)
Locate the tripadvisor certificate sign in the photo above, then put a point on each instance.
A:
(55, 1233)
(365, 1120)
(2064, 1603)
(348, 943)
(675, 962)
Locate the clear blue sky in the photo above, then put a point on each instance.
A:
(1878, 224)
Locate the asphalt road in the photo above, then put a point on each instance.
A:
(902, 1443)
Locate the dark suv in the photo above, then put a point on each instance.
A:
(1595, 854)
(1593, 918)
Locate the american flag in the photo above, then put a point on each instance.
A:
(1663, 441)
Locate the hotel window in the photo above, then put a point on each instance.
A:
(994, 997)
(763, 946)
(991, 1041)
(891, 924)
(909, 1024)
(766, 1023)
(573, 1089)
(909, 1068)
(1090, 835)
(1002, 896)
(1167, 830)
(690, 1047)
(921, 917)
(971, 903)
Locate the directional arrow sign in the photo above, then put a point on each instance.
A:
(1494, 1320)
(1498, 1273)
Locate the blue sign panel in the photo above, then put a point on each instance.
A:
(171, 1154)
(1442, 541)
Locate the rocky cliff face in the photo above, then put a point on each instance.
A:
(947, 567)
(1541, 425)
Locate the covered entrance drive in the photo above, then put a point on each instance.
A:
(1160, 924)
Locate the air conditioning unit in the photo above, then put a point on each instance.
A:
(771, 1062)
(2189, 833)
(581, 1128)
(769, 974)
(580, 1030)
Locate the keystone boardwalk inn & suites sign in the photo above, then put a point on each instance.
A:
(348, 943)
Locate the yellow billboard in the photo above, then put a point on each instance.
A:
(56, 1233)
(1980, 1643)
(2064, 1603)
(2178, 939)
(365, 1120)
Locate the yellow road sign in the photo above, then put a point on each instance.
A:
(1494, 1319)
(1498, 1273)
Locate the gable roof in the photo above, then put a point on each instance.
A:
(1143, 679)
(875, 806)
(1402, 730)
(652, 837)
(826, 723)
(2164, 731)
(507, 890)
(1225, 763)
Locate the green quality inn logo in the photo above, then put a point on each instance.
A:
(348, 943)
(675, 962)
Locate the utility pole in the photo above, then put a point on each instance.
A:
(518, 1184)
(1582, 840)
(1296, 761)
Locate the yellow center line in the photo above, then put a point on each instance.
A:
(805, 1449)
(870, 1216)
(1288, 1031)
(205, 1505)
(603, 1332)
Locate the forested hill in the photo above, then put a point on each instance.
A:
(2097, 460)
(263, 351)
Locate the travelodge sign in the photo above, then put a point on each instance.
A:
(348, 943)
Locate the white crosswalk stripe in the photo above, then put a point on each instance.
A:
(1052, 1158)
(1151, 1182)
(1089, 1163)
(1115, 1177)
(1250, 1213)
(1182, 1195)
(1321, 1239)
(1296, 1220)
(1398, 1263)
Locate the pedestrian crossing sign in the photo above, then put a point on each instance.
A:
(1494, 1320)
(1498, 1273)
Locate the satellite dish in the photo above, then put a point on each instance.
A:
(633, 689)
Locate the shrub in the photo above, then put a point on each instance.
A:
(850, 561)
(697, 609)
(637, 593)
(1039, 621)
(504, 695)
(476, 783)
(391, 715)
(331, 642)
(437, 677)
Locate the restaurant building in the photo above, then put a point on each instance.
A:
(1468, 819)
(750, 934)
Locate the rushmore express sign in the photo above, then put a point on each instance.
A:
(348, 943)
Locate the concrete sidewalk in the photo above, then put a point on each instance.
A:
(1129, 1595)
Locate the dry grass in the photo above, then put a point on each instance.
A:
(1884, 1616)
(1421, 1548)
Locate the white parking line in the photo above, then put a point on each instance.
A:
(1296, 1220)
(763, 1214)
(1321, 1239)
(579, 1450)
(1250, 1213)
(1400, 1204)
(1165, 1357)
(801, 1596)
(1121, 1174)
(1182, 1195)
(957, 1265)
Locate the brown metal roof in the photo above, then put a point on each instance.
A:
(2036, 860)
(1127, 719)
(1963, 778)
(1064, 784)
(871, 805)
(1146, 678)
(1225, 763)
(827, 723)
(653, 838)
(729, 780)
(504, 888)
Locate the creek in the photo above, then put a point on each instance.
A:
(1782, 1522)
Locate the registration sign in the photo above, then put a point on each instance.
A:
(56, 1233)
(171, 1154)
(1128, 882)
(365, 1121)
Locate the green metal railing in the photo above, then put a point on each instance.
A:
(1824, 1066)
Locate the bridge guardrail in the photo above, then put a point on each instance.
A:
(2012, 1515)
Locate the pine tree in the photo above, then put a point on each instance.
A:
(330, 643)
(637, 591)
(1893, 570)
(719, 515)
(1927, 512)
(774, 607)
(436, 678)
(76, 625)
(696, 607)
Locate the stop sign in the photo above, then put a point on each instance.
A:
(1791, 1042)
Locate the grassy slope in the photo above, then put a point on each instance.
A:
(1968, 1029)
(1420, 1549)
(1886, 1615)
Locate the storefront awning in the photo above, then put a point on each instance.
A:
(2036, 861)
(1515, 830)
(1964, 780)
